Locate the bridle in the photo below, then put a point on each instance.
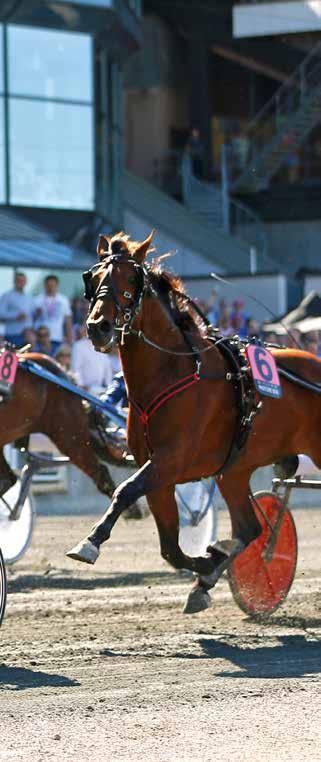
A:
(125, 315)
(123, 325)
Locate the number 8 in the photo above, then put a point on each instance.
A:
(7, 365)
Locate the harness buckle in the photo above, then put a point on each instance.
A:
(125, 330)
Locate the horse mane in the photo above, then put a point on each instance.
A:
(167, 285)
(170, 289)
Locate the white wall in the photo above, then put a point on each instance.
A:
(295, 244)
(271, 290)
(312, 283)
(185, 261)
(276, 18)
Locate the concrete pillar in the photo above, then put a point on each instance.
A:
(199, 101)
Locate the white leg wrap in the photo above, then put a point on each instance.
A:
(306, 467)
(85, 551)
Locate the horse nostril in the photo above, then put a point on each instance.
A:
(97, 330)
(91, 330)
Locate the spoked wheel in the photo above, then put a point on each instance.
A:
(260, 577)
(197, 516)
(3, 588)
(15, 535)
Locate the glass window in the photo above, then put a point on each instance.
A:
(2, 154)
(49, 64)
(1, 60)
(52, 154)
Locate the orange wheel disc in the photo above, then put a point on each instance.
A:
(259, 585)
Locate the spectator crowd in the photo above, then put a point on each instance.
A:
(51, 324)
(232, 319)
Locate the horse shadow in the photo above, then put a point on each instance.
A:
(21, 678)
(292, 657)
(62, 579)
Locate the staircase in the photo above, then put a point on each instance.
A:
(145, 207)
(211, 203)
(282, 125)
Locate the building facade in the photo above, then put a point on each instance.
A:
(61, 114)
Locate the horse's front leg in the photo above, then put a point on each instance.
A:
(125, 495)
(151, 479)
(234, 487)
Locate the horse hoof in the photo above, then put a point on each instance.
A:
(198, 600)
(85, 551)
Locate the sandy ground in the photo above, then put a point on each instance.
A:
(101, 664)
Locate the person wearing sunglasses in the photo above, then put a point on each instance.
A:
(44, 343)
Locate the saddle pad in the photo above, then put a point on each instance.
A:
(8, 370)
(264, 371)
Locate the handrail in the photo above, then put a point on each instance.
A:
(296, 83)
(271, 128)
(234, 216)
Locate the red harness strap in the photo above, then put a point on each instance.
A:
(144, 414)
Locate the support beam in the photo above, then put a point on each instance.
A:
(199, 101)
(249, 63)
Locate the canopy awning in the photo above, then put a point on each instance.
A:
(25, 244)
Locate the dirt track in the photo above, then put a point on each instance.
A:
(102, 665)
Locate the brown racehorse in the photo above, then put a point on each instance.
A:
(180, 428)
(38, 405)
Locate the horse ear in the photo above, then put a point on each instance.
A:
(142, 250)
(102, 246)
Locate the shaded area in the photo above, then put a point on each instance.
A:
(293, 656)
(51, 580)
(296, 621)
(20, 678)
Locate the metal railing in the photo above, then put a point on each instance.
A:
(299, 94)
(213, 202)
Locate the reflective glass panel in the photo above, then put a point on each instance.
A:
(51, 154)
(2, 154)
(1, 60)
(49, 64)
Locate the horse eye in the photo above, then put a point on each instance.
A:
(132, 280)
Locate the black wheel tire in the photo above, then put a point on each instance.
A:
(3, 588)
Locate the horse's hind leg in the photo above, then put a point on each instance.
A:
(163, 506)
(234, 487)
(7, 476)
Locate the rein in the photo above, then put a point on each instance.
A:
(31, 366)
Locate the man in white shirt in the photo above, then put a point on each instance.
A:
(53, 310)
(16, 311)
(94, 370)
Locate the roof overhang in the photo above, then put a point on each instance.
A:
(273, 18)
(24, 243)
(112, 20)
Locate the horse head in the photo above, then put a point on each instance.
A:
(115, 287)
